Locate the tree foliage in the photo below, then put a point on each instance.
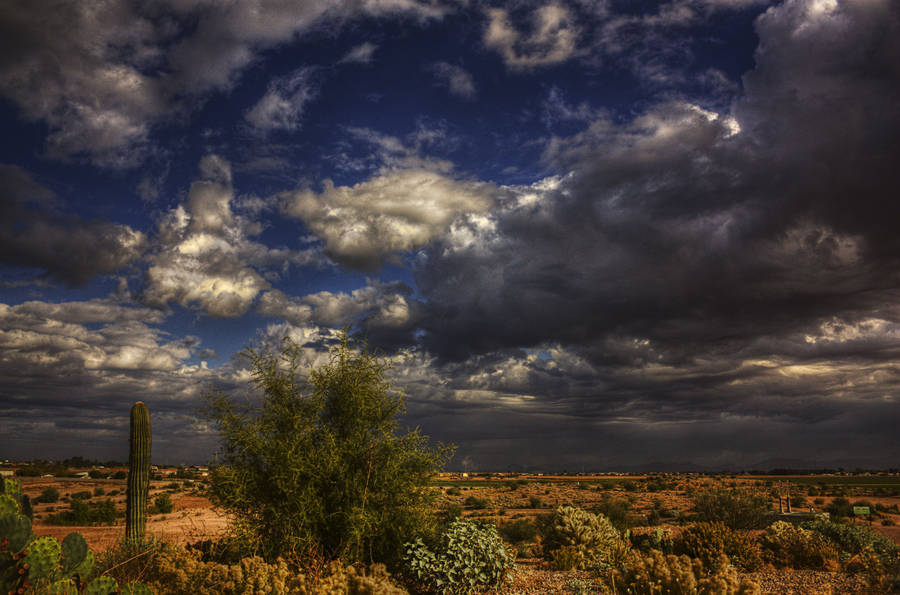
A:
(321, 465)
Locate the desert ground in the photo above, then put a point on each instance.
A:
(506, 498)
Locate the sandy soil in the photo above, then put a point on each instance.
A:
(193, 517)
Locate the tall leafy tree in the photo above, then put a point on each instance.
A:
(321, 465)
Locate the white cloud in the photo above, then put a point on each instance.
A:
(456, 79)
(204, 256)
(281, 108)
(377, 306)
(397, 211)
(552, 39)
(361, 54)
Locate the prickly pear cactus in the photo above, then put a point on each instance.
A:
(102, 585)
(40, 566)
(42, 557)
(15, 532)
(138, 474)
(74, 551)
(8, 505)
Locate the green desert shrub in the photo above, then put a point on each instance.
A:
(660, 539)
(617, 511)
(840, 508)
(162, 504)
(786, 545)
(519, 531)
(83, 513)
(477, 503)
(576, 538)
(710, 541)
(322, 464)
(738, 509)
(852, 539)
(48, 496)
(655, 573)
(470, 558)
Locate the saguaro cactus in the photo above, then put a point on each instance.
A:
(138, 474)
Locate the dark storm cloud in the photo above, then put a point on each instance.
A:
(35, 232)
(707, 269)
(675, 221)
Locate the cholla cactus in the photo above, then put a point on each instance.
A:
(654, 572)
(580, 539)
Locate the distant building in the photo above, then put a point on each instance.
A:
(7, 472)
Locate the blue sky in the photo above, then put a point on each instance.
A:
(604, 234)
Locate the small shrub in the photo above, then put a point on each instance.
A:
(785, 545)
(84, 513)
(96, 474)
(162, 504)
(454, 491)
(99, 492)
(82, 496)
(48, 495)
(519, 531)
(660, 540)
(471, 558)
(710, 541)
(616, 510)
(737, 509)
(654, 573)
(579, 539)
(535, 502)
(477, 503)
(449, 512)
(840, 508)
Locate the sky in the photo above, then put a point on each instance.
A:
(593, 234)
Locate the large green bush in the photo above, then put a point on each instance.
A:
(737, 508)
(321, 465)
(576, 538)
(471, 558)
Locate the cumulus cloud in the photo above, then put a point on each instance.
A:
(204, 256)
(394, 212)
(457, 80)
(552, 39)
(281, 108)
(385, 313)
(36, 232)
